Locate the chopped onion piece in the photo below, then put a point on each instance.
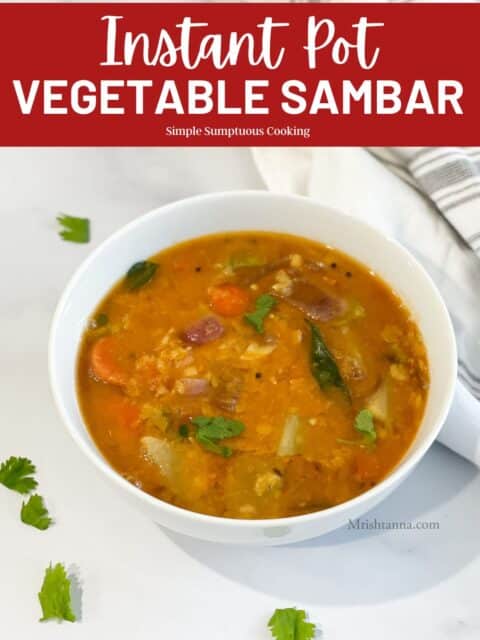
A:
(159, 452)
(378, 402)
(288, 442)
(205, 330)
(255, 351)
(192, 386)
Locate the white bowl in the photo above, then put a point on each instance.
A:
(251, 210)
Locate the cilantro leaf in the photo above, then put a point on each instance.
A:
(140, 274)
(364, 424)
(263, 305)
(212, 429)
(35, 514)
(54, 595)
(213, 447)
(15, 474)
(290, 624)
(74, 229)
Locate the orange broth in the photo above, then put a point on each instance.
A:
(203, 408)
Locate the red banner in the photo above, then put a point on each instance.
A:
(239, 74)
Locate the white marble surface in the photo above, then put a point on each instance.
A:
(138, 581)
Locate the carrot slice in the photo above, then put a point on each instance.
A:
(228, 300)
(104, 362)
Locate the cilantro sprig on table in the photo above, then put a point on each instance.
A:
(17, 474)
(291, 624)
(74, 229)
(35, 514)
(54, 596)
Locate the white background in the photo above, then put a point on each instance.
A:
(136, 581)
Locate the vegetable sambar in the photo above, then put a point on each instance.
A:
(252, 375)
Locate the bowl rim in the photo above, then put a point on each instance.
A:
(369, 497)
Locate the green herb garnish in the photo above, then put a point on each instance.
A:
(290, 624)
(54, 596)
(212, 429)
(263, 305)
(16, 474)
(140, 274)
(35, 514)
(365, 425)
(323, 366)
(74, 229)
(183, 431)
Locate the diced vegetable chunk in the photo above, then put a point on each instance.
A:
(192, 386)
(313, 302)
(268, 482)
(228, 300)
(378, 402)
(288, 441)
(104, 362)
(205, 330)
(159, 451)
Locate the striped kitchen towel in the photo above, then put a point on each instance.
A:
(450, 178)
(429, 199)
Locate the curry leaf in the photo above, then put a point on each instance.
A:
(263, 305)
(74, 229)
(54, 595)
(35, 514)
(212, 429)
(16, 474)
(323, 366)
(291, 624)
(140, 274)
(364, 423)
